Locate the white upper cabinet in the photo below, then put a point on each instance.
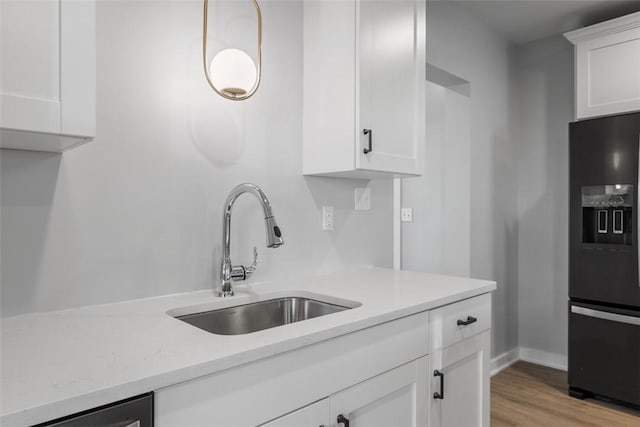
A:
(363, 95)
(607, 67)
(48, 73)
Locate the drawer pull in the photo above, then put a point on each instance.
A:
(439, 395)
(343, 420)
(470, 320)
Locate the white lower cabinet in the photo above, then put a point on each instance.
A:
(363, 374)
(459, 393)
(379, 376)
(395, 398)
(314, 415)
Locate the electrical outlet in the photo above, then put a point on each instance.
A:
(406, 214)
(362, 199)
(327, 218)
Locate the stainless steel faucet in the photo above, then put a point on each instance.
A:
(228, 271)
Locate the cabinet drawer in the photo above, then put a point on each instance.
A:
(454, 322)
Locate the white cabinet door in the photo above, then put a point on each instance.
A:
(314, 415)
(30, 65)
(459, 392)
(391, 85)
(395, 398)
(47, 83)
(364, 68)
(607, 66)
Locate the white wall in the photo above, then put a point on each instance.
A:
(521, 104)
(438, 238)
(545, 83)
(137, 212)
(422, 238)
(462, 45)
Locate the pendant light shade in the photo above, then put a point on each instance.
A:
(232, 73)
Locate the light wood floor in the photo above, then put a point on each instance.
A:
(525, 394)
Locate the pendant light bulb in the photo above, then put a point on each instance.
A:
(233, 72)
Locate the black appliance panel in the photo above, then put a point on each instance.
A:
(603, 254)
(134, 412)
(604, 352)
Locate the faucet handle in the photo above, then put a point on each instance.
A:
(252, 268)
(240, 272)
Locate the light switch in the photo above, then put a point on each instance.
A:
(327, 218)
(406, 214)
(362, 199)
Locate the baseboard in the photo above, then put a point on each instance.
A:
(531, 355)
(505, 360)
(544, 358)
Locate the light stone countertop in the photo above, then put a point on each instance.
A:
(58, 363)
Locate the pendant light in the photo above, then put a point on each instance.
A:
(232, 73)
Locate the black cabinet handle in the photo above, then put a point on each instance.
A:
(370, 133)
(470, 320)
(343, 420)
(439, 395)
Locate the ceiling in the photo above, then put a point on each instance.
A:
(523, 21)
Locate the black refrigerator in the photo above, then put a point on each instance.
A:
(604, 283)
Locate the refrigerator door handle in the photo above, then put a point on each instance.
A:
(605, 315)
(637, 208)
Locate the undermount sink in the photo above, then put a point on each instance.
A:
(247, 318)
